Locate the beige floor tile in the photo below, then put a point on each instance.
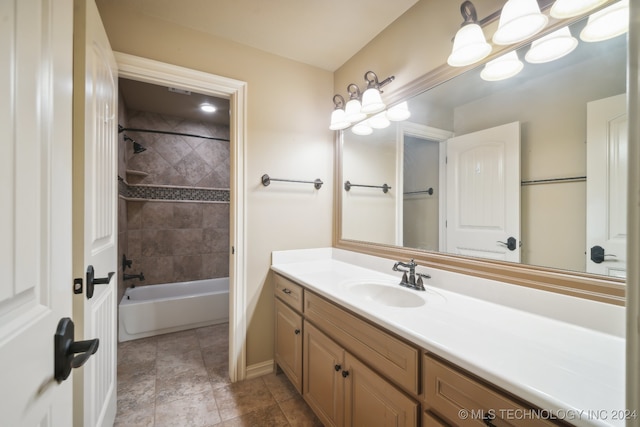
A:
(280, 386)
(298, 413)
(194, 411)
(141, 417)
(214, 336)
(242, 397)
(180, 387)
(136, 393)
(271, 416)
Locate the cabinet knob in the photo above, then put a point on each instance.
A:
(297, 332)
(337, 367)
(345, 374)
(287, 291)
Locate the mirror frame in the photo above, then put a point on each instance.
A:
(577, 284)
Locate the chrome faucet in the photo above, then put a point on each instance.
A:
(410, 281)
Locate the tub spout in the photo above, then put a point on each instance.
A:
(140, 276)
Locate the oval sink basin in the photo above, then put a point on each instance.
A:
(387, 295)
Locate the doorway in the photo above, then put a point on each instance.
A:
(157, 73)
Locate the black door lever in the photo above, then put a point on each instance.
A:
(65, 350)
(92, 281)
(597, 254)
(511, 243)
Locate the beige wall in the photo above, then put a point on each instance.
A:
(285, 138)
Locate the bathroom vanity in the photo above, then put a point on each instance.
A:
(363, 350)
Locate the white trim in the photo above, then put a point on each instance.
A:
(423, 132)
(150, 71)
(260, 369)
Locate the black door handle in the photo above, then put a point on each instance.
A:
(597, 254)
(92, 281)
(65, 350)
(511, 243)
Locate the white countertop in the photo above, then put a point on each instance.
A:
(575, 372)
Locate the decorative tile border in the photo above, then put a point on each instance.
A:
(148, 192)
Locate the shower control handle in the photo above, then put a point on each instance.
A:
(92, 280)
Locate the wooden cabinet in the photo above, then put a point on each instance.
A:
(342, 391)
(464, 401)
(288, 346)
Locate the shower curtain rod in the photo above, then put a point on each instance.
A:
(166, 132)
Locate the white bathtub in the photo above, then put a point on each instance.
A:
(159, 309)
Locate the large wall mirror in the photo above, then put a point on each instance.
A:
(520, 178)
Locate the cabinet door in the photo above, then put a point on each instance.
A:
(289, 343)
(323, 383)
(370, 400)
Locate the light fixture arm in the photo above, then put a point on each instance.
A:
(354, 91)
(468, 12)
(338, 101)
(372, 80)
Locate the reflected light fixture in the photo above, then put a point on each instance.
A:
(379, 121)
(508, 65)
(551, 47)
(607, 23)
(371, 99)
(353, 110)
(563, 9)
(207, 108)
(519, 20)
(399, 112)
(469, 44)
(362, 128)
(338, 121)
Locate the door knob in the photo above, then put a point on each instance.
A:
(511, 243)
(65, 350)
(597, 254)
(92, 280)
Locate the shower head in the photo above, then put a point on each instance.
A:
(137, 148)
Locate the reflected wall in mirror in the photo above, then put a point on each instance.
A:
(565, 191)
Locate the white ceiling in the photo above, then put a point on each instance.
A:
(322, 33)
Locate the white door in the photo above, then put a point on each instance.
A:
(607, 162)
(483, 193)
(35, 207)
(95, 217)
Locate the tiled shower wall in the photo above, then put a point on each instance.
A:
(177, 240)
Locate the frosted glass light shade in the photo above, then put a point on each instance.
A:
(469, 46)
(551, 47)
(607, 23)
(371, 101)
(563, 9)
(506, 66)
(353, 111)
(338, 121)
(379, 121)
(398, 112)
(362, 128)
(519, 20)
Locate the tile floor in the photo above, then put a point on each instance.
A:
(181, 379)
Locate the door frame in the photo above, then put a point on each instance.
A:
(160, 73)
(421, 131)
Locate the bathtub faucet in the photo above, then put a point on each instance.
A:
(126, 276)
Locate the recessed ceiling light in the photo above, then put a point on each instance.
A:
(207, 108)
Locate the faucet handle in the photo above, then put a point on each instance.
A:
(395, 267)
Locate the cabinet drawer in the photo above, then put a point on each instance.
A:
(289, 292)
(394, 358)
(450, 393)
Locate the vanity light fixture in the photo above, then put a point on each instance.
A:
(359, 107)
(338, 120)
(551, 47)
(563, 9)
(371, 99)
(508, 65)
(607, 23)
(353, 109)
(469, 44)
(519, 20)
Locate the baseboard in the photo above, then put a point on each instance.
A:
(259, 369)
